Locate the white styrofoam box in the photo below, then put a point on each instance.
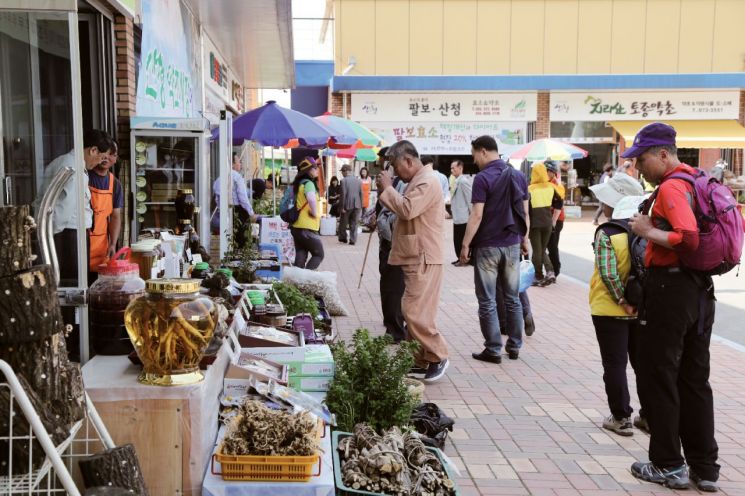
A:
(573, 211)
(281, 354)
(328, 226)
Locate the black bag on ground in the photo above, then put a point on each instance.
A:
(432, 423)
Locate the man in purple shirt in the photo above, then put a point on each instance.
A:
(495, 236)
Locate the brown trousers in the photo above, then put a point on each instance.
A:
(419, 307)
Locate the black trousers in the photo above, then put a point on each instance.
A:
(392, 287)
(618, 341)
(307, 242)
(675, 320)
(459, 232)
(553, 246)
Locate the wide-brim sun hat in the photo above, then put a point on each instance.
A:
(616, 188)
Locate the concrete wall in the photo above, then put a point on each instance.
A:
(436, 37)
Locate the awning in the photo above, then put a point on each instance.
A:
(255, 36)
(692, 134)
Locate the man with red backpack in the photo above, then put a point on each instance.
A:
(691, 234)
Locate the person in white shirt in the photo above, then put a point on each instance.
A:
(96, 146)
(460, 206)
(242, 209)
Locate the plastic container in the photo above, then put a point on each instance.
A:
(201, 270)
(170, 327)
(146, 254)
(117, 285)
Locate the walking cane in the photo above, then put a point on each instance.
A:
(364, 260)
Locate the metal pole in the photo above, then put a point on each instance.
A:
(224, 172)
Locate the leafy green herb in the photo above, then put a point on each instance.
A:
(240, 259)
(295, 301)
(368, 382)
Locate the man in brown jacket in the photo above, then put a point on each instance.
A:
(417, 248)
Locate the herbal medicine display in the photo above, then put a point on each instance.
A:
(170, 327)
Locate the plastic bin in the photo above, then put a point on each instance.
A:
(271, 273)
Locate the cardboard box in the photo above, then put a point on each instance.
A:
(281, 354)
(307, 384)
(237, 378)
(317, 362)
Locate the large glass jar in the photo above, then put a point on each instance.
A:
(118, 283)
(170, 328)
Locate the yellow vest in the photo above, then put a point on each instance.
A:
(602, 303)
(305, 221)
(542, 197)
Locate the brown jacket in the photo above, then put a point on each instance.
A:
(420, 212)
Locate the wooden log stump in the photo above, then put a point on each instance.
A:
(15, 239)
(117, 467)
(20, 451)
(57, 381)
(29, 306)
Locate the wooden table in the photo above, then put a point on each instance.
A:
(172, 428)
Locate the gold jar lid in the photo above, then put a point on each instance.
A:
(184, 221)
(186, 191)
(172, 286)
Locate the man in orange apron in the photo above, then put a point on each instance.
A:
(107, 201)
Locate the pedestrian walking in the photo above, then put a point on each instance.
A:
(417, 247)
(557, 217)
(544, 201)
(460, 206)
(495, 236)
(676, 318)
(607, 174)
(350, 205)
(392, 283)
(613, 316)
(305, 229)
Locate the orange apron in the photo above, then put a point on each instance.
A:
(366, 194)
(102, 203)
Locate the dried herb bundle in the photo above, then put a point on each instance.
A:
(396, 464)
(260, 431)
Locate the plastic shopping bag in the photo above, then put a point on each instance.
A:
(527, 274)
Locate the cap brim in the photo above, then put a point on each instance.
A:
(606, 194)
(633, 152)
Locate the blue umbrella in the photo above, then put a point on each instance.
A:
(272, 125)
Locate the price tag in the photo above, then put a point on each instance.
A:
(196, 258)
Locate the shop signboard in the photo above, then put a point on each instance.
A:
(167, 85)
(223, 89)
(444, 107)
(448, 138)
(639, 106)
(275, 231)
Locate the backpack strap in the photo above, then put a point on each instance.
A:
(647, 204)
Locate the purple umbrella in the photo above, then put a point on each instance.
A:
(272, 125)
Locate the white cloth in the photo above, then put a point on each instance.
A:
(240, 192)
(460, 205)
(445, 185)
(66, 208)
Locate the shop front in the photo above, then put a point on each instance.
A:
(605, 123)
(444, 124)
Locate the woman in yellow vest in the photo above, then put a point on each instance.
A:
(613, 317)
(544, 200)
(305, 229)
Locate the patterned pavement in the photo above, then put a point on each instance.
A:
(532, 426)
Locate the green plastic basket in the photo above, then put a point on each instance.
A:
(339, 435)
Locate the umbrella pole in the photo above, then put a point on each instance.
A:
(274, 187)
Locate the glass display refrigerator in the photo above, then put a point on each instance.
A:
(169, 156)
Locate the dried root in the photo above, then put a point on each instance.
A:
(259, 431)
(396, 464)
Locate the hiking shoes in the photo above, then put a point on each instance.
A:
(673, 477)
(416, 372)
(622, 427)
(513, 354)
(485, 356)
(641, 423)
(436, 371)
(529, 325)
(704, 485)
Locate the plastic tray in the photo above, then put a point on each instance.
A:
(339, 435)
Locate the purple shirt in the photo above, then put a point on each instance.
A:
(502, 190)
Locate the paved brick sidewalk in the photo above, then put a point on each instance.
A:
(532, 426)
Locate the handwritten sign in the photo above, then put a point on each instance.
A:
(277, 232)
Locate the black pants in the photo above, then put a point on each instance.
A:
(618, 341)
(349, 220)
(553, 246)
(539, 237)
(459, 232)
(502, 307)
(674, 365)
(307, 241)
(392, 287)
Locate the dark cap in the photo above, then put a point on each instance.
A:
(551, 166)
(655, 134)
